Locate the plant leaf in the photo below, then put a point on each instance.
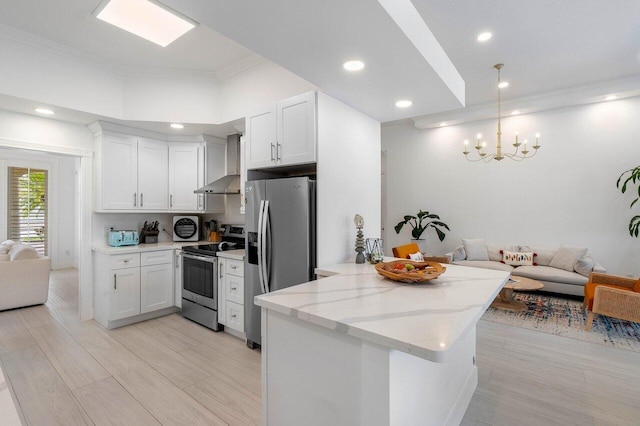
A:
(441, 234)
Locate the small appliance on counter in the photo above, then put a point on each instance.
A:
(149, 233)
(123, 238)
(185, 228)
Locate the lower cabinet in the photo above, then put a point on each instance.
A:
(231, 294)
(129, 287)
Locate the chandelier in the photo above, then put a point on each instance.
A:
(517, 154)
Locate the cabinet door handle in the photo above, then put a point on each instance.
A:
(200, 198)
(272, 159)
(234, 267)
(135, 199)
(278, 149)
(115, 281)
(171, 200)
(233, 315)
(141, 200)
(220, 271)
(234, 288)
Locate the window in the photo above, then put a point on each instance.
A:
(27, 207)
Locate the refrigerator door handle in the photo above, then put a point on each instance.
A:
(265, 254)
(260, 242)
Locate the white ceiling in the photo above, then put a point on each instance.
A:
(546, 45)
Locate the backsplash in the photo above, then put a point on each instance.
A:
(130, 221)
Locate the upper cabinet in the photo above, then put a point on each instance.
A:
(142, 174)
(184, 177)
(282, 134)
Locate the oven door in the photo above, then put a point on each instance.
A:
(200, 279)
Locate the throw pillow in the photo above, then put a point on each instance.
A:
(515, 258)
(584, 266)
(475, 249)
(417, 257)
(566, 257)
(5, 246)
(459, 254)
(636, 286)
(544, 256)
(23, 252)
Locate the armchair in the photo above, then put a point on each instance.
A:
(612, 296)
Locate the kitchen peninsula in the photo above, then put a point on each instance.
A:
(358, 349)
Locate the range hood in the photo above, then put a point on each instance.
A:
(230, 183)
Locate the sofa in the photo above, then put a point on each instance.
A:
(563, 270)
(24, 276)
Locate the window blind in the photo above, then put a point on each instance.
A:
(27, 207)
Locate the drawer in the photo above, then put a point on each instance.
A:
(235, 316)
(234, 267)
(235, 289)
(156, 257)
(119, 261)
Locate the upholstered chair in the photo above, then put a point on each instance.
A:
(612, 296)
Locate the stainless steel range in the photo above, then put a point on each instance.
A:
(200, 276)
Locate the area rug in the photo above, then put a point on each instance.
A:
(567, 318)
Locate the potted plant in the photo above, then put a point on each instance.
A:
(418, 224)
(634, 179)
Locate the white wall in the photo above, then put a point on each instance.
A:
(565, 195)
(348, 179)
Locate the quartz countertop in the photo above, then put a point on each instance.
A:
(425, 320)
(168, 245)
(232, 254)
(349, 268)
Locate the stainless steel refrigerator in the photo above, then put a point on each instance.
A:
(280, 241)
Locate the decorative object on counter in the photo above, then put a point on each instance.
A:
(359, 222)
(418, 227)
(499, 155)
(149, 233)
(374, 252)
(408, 271)
(634, 177)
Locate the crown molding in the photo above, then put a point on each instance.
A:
(572, 96)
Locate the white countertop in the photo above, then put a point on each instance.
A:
(232, 254)
(168, 245)
(349, 268)
(424, 320)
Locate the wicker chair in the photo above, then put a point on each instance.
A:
(612, 296)
(404, 251)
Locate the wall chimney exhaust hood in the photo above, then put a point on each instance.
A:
(230, 183)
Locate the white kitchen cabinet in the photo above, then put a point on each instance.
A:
(178, 279)
(124, 300)
(184, 177)
(153, 175)
(133, 287)
(136, 174)
(156, 280)
(282, 134)
(118, 177)
(231, 294)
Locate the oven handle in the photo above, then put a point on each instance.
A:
(209, 259)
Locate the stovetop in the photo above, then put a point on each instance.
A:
(212, 248)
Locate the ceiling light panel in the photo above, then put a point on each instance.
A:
(404, 103)
(146, 19)
(44, 111)
(482, 37)
(354, 65)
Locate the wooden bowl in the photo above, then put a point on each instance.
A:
(424, 271)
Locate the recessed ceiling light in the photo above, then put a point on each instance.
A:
(503, 84)
(44, 111)
(144, 18)
(484, 36)
(404, 104)
(610, 98)
(177, 126)
(353, 65)
(443, 124)
(515, 112)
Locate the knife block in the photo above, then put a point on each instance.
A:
(149, 237)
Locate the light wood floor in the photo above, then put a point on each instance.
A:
(172, 371)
